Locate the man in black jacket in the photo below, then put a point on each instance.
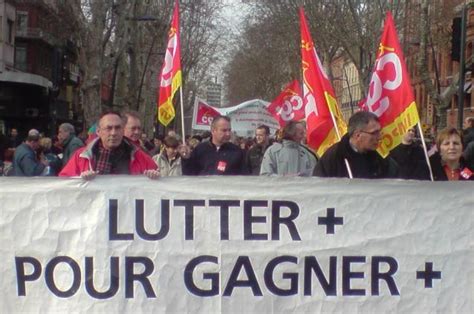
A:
(216, 157)
(410, 158)
(255, 154)
(357, 151)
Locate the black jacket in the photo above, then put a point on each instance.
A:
(411, 161)
(207, 160)
(254, 158)
(368, 165)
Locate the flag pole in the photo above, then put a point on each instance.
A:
(425, 150)
(346, 162)
(182, 114)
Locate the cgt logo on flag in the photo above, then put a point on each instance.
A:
(289, 105)
(205, 114)
(170, 77)
(390, 94)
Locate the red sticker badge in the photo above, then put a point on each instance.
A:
(221, 166)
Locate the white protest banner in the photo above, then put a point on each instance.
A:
(245, 117)
(241, 244)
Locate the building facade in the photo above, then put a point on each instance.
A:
(39, 85)
(441, 66)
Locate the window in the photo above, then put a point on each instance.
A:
(22, 22)
(10, 33)
(20, 58)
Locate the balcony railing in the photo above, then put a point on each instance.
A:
(37, 33)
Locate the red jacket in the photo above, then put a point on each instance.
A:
(83, 160)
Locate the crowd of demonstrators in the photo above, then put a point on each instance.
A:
(244, 143)
(218, 156)
(357, 151)
(290, 157)
(110, 153)
(410, 158)
(121, 148)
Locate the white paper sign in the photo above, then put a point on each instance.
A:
(235, 244)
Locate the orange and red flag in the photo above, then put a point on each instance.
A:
(170, 77)
(390, 94)
(288, 106)
(321, 109)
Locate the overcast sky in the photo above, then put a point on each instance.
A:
(235, 12)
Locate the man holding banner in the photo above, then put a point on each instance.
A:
(110, 153)
(355, 156)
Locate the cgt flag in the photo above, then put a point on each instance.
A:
(170, 77)
(390, 95)
(321, 109)
(288, 106)
(203, 114)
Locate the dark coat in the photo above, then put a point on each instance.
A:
(207, 160)
(25, 162)
(368, 165)
(254, 158)
(468, 136)
(438, 169)
(411, 161)
(71, 144)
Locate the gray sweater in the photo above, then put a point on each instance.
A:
(288, 158)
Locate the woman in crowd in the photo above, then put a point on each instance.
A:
(169, 161)
(54, 162)
(448, 163)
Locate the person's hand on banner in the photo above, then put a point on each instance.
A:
(152, 174)
(88, 175)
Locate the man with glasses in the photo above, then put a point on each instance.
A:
(110, 153)
(356, 152)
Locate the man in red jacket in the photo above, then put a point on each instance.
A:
(110, 153)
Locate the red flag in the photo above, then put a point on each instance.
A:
(170, 77)
(362, 104)
(203, 113)
(319, 97)
(288, 106)
(390, 95)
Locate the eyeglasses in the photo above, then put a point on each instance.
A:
(373, 133)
